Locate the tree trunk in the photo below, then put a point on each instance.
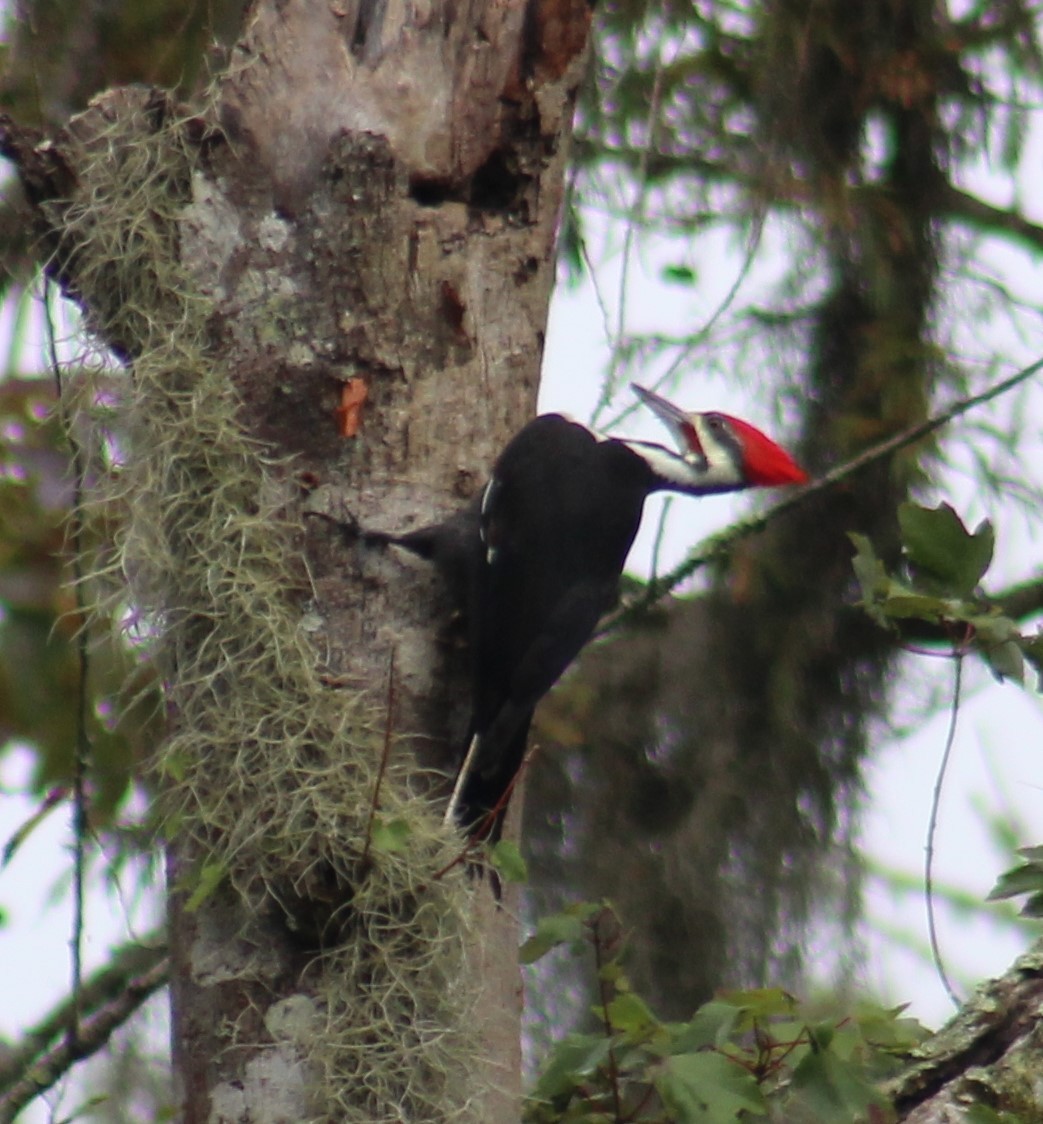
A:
(367, 208)
(988, 1054)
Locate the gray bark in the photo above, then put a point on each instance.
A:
(988, 1054)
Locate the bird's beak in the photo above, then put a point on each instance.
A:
(674, 418)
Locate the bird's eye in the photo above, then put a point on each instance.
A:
(716, 423)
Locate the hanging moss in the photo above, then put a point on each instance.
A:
(268, 772)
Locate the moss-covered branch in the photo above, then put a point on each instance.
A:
(988, 1054)
(986, 218)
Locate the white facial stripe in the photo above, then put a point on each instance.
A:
(667, 465)
(720, 455)
(713, 473)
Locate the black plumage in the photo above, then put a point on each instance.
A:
(558, 517)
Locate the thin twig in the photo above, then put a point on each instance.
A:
(720, 546)
(932, 825)
(697, 339)
(81, 758)
(508, 792)
(633, 220)
(94, 1034)
(599, 296)
(660, 532)
(613, 1067)
(920, 650)
(385, 757)
(101, 987)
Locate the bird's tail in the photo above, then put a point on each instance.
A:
(486, 779)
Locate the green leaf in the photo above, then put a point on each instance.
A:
(390, 836)
(211, 874)
(612, 973)
(983, 1114)
(1027, 879)
(1033, 652)
(1000, 643)
(708, 1088)
(993, 628)
(872, 577)
(834, 1089)
(821, 1035)
(889, 1028)
(1006, 661)
(508, 862)
(175, 765)
(55, 797)
(711, 1025)
(572, 1061)
(941, 551)
(678, 274)
(761, 1002)
(566, 927)
(903, 605)
(1033, 906)
(630, 1013)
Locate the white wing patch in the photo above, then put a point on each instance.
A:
(488, 499)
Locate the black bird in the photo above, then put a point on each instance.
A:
(535, 561)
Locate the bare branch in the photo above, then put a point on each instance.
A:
(385, 757)
(82, 750)
(39, 1072)
(1022, 600)
(984, 216)
(102, 987)
(932, 827)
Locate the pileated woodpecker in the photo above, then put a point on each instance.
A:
(535, 561)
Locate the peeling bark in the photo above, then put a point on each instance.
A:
(988, 1054)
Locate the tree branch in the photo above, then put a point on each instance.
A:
(106, 1000)
(984, 216)
(787, 190)
(997, 1029)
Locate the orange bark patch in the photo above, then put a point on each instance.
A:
(348, 414)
